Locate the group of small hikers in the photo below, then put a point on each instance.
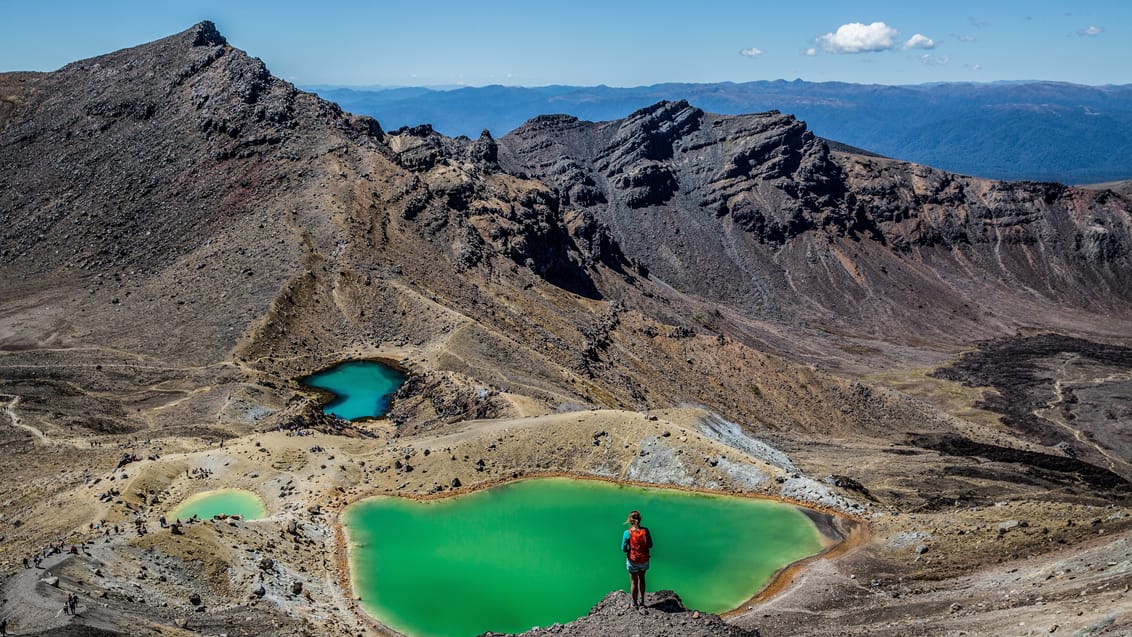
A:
(635, 543)
(71, 606)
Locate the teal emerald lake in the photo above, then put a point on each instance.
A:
(540, 551)
(361, 389)
(220, 502)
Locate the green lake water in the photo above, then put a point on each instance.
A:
(362, 389)
(540, 551)
(222, 501)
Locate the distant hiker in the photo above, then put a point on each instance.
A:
(3, 626)
(72, 604)
(635, 543)
(26, 564)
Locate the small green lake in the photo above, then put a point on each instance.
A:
(540, 551)
(361, 389)
(222, 501)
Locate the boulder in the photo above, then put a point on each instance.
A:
(1008, 525)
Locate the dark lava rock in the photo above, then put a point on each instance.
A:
(1043, 465)
(1025, 372)
(849, 484)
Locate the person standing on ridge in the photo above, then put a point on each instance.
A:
(635, 543)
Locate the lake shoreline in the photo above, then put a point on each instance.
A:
(838, 532)
(327, 398)
(195, 499)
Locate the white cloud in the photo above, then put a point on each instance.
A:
(935, 60)
(859, 38)
(919, 41)
(752, 52)
(966, 38)
(1090, 31)
(810, 52)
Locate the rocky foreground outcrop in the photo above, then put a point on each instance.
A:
(663, 615)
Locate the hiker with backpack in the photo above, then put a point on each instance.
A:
(635, 543)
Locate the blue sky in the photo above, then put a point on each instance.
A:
(586, 42)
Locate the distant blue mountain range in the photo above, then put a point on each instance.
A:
(1046, 131)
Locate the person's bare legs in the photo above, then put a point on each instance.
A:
(641, 587)
(637, 588)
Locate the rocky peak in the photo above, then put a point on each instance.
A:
(706, 202)
(417, 148)
(205, 33)
(158, 117)
(547, 124)
(650, 134)
(767, 171)
(485, 150)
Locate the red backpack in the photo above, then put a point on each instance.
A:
(638, 546)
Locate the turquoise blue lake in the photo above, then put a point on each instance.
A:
(361, 389)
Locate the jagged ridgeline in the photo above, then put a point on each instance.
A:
(178, 188)
(180, 185)
(756, 211)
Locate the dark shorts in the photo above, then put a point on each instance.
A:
(636, 568)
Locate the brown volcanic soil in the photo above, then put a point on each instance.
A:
(675, 298)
